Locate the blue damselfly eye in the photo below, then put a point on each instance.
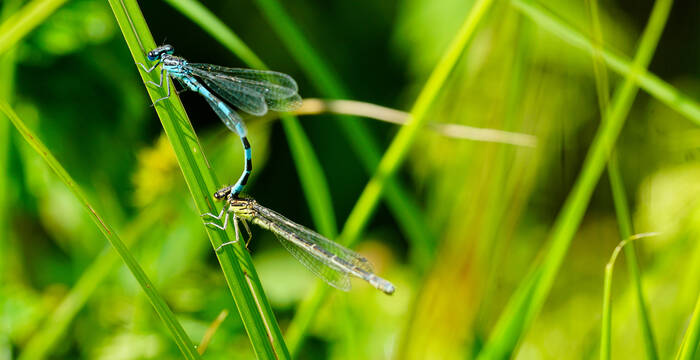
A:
(156, 53)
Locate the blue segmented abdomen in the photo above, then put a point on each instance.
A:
(243, 180)
(232, 120)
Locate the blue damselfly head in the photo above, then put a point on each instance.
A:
(156, 53)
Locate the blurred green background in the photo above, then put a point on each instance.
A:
(487, 208)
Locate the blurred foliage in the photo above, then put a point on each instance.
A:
(490, 205)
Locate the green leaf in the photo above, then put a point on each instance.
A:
(689, 345)
(529, 298)
(25, 20)
(399, 200)
(46, 338)
(178, 333)
(621, 210)
(235, 261)
(392, 159)
(651, 83)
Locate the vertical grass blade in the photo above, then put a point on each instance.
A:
(606, 318)
(176, 331)
(689, 345)
(396, 153)
(651, 83)
(236, 264)
(310, 173)
(605, 338)
(529, 298)
(404, 207)
(7, 88)
(626, 230)
(621, 208)
(25, 20)
(392, 159)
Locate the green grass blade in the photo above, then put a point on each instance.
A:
(48, 335)
(626, 230)
(691, 340)
(178, 333)
(621, 210)
(606, 319)
(389, 164)
(529, 298)
(236, 264)
(651, 83)
(7, 73)
(404, 207)
(201, 16)
(25, 20)
(607, 297)
(311, 174)
(313, 181)
(399, 147)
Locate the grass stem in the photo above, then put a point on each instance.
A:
(236, 264)
(530, 296)
(182, 341)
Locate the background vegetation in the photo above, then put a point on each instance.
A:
(497, 250)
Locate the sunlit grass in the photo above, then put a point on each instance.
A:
(178, 333)
(621, 205)
(463, 220)
(530, 297)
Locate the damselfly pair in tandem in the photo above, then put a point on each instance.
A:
(252, 91)
(256, 92)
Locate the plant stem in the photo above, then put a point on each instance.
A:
(25, 20)
(236, 264)
(689, 345)
(621, 208)
(529, 298)
(402, 204)
(182, 341)
(389, 164)
(651, 83)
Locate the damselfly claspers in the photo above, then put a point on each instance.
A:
(328, 260)
(253, 91)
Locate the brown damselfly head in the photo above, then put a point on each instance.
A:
(222, 193)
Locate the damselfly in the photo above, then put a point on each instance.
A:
(328, 260)
(253, 91)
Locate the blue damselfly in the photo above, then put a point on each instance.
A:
(328, 260)
(252, 91)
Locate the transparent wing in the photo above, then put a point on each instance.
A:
(253, 91)
(237, 94)
(315, 263)
(229, 116)
(271, 83)
(319, 240)
(287, 104)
